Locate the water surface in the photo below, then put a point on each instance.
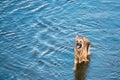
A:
(37, 39)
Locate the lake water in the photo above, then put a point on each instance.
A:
(37, 39)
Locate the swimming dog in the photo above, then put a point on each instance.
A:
(81, 50)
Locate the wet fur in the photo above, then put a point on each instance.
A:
(81, 54)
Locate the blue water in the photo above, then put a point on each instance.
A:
(37, 39)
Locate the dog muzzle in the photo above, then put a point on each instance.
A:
(78, 45)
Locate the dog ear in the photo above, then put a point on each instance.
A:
(84, 38)
(77, 36)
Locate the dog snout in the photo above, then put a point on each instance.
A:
(78, 45)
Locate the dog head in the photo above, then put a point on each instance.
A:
(79, 42)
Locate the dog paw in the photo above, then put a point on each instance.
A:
(86, 60)
(80, 62)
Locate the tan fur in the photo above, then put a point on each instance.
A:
(81, 54)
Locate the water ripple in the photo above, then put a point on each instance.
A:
(38, 8)
(37, 38)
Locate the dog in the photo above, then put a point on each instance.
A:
(81, 50)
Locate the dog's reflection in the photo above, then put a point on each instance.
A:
(80, 72)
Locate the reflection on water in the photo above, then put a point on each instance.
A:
(80, 72)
